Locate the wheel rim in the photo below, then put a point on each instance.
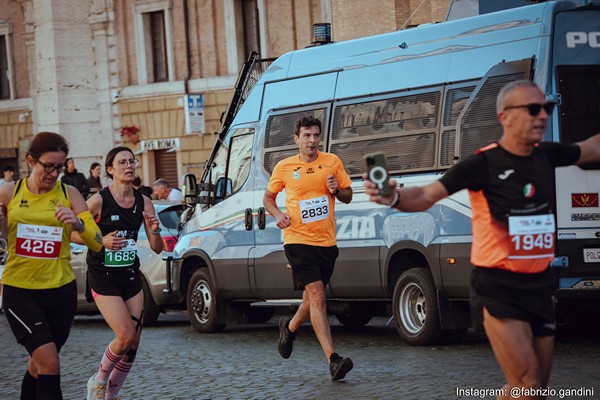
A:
(412, 308)
(201, 302)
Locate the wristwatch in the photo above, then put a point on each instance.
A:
(81, 227)
(156, 232)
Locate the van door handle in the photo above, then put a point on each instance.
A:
(262, 218)
(248, 219)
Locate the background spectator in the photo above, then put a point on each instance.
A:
(93, 180)
(75, 179)
(164, 191)
(7, 174)
(137, 184)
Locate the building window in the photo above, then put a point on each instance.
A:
(154, 25)
(249, 25)
(153, 39)
(6, 81)
(245, 31)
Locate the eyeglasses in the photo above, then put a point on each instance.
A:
(535, 108)
(49, 168)
(124, 163)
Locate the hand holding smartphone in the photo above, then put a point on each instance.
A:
(377, 173)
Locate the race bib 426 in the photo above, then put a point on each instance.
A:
(37, 241)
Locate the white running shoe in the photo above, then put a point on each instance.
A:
(95, 390)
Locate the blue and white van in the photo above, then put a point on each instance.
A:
(426, 98)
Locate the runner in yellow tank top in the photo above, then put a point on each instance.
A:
(40, 293)
(38, 239)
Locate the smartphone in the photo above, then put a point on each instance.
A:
(377, 172)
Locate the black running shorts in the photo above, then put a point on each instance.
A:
(40, 316)
(525, 297)
(310, 263)
(124, 283)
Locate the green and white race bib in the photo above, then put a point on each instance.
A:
(121, 258)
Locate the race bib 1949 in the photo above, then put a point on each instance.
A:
(38, 241)
(121, 258)
(314, 209)
(531, 236)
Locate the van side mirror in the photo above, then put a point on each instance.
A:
(190, 189)
(223, 189)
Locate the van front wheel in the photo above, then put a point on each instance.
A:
(202, 304)
(416, 309)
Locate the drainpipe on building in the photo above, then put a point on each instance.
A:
(188, 55)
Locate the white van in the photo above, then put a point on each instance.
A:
(426, 98)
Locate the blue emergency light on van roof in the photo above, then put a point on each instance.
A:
(321, 34)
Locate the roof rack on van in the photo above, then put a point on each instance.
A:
(250, 73)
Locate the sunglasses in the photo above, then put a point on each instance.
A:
(535, 108)
(49, 168)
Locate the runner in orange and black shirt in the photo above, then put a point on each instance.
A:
(511, 188)
(312, 181)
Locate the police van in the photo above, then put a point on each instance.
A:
(426, 98)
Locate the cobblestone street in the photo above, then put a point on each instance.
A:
(175, 362)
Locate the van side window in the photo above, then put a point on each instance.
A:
(279, 135)
(455, 101)
(231, 164)
(478, 122)
(403, 128)
(240, 157)
(217, 172)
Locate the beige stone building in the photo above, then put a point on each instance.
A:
(88, 68)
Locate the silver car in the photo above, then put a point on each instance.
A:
(151, 264)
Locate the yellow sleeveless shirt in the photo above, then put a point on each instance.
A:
(39, 256)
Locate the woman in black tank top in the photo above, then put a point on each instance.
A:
(113, 272)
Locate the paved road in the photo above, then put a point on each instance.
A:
(175, 362)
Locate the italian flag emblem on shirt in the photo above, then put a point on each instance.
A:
(528, 190)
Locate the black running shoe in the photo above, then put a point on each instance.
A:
(339, 366)
(285, 344)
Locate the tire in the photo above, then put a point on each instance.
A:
(354, 320)
(416, 308)
(201, 303)
(260, 315)
(151, 310)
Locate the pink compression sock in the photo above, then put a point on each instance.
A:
(117, 377)
(109, 360)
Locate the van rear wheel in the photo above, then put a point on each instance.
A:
(202, 303)
(416, 309)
